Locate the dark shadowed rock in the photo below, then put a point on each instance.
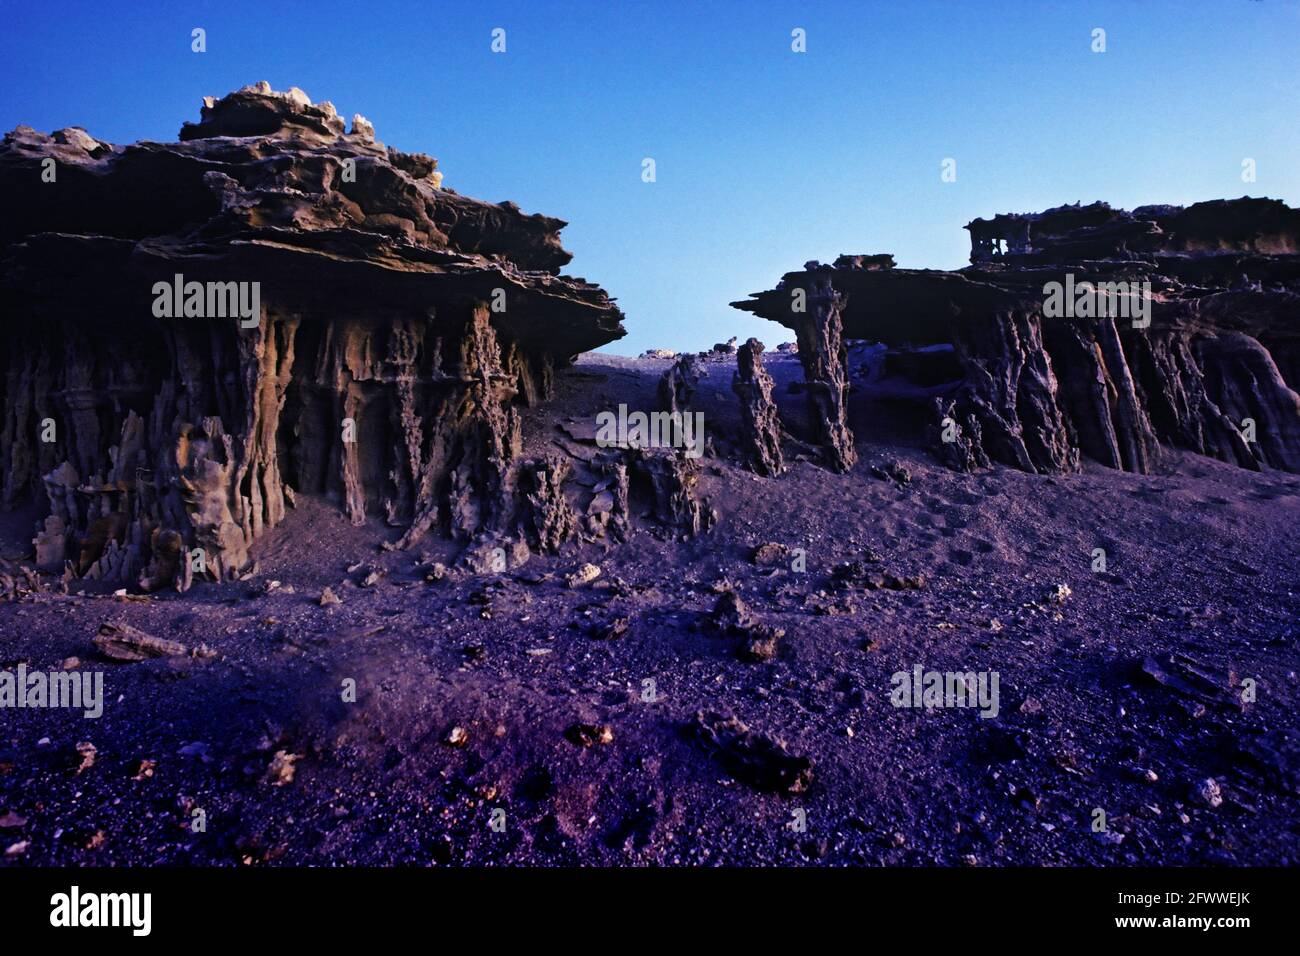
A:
(678, 384)
(671, 480)
(122, 642)
(1213, 366)
(731, 615)
(396, 330)
(821, 350)
(550, 519)
(757, 760)
(760, 423)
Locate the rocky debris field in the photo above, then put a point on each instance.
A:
(678, 699)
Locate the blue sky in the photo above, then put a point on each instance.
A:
(765, 158)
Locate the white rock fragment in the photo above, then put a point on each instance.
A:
(297, 97)
(363, 127)
(584, 574)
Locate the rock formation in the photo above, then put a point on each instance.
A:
(198, 331)
(760, 423)
(670, 479)
(677, 385)
(1085, 330)
(551, 519)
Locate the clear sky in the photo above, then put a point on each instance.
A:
(765, 157)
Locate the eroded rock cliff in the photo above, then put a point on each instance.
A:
(1083, 330)
(197, 331)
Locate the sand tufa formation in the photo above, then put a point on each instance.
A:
(199, 330)
(1205, 355)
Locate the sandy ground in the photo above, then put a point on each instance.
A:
(504, 720)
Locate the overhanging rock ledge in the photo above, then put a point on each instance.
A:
(399, 327)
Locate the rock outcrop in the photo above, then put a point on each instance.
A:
(670, 480)
(198, 330)
(826, 374)
(677, 385)
(1086, 331)
(760, 423)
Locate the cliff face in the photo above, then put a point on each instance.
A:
(196, 331)
(1087, 330)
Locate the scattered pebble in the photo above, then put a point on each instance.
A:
(281, 769)
(1209, 792)
(583, 574)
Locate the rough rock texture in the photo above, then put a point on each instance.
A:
(825, 365)
(551, 520)
(959, 444)
(760, 424)
(732, 616)
(1011, 389)
(397, 328)
(679, 383)
(1215, 371)
(609, 509)
(670, 478)
(760, 761)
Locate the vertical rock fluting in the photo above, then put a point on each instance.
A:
(1121, 393)
(760, 424)
(1245, 386)
(163, 497)
(1098, 394)
(609, 510)
(1168, 326)
(550, 521)
(677, 385)
(467, 476)
(819, 330)
(487, 438)
(959, 443)
(271, 306)
(619, 485)
(1011, 390)
(671, 479)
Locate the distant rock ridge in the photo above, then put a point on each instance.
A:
(394, 329)
(1211, 364)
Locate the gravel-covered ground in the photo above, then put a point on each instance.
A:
(514, 719)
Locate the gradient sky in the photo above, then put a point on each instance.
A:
(765, 158)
